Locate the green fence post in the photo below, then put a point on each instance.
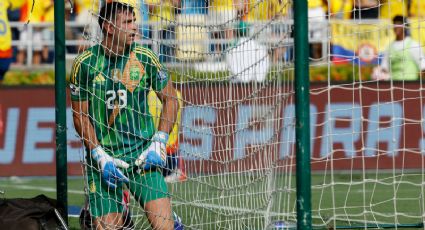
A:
(60, 105)
(302, 114)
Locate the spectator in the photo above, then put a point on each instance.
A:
(265, 10)
(87, 13)
(402, 59)
(6, 37)
(417, 8)
(254, 12)
(391, 8)
(364, 9)
(223, 17)
(48, 33)
(33, 15)
(340, 9)
(194, 7)
(256, 60)
(317, 18)
(14, 15)
(144, 28)
(70, 32)
(162, 13)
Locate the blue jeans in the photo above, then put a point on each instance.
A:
(4, 66)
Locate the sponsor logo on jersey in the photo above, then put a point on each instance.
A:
(162, 75)
(75, 90)
(92, 187)
(99, 78)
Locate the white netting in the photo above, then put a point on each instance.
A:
(231, 63)
(367, 118)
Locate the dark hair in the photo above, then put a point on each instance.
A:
(109, 10)
(399, 19)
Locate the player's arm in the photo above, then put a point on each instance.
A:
(155, 155)
(82, 124)
(417, 54)
(168, 97)
(108, 165)
(385, 63)
(79, 82)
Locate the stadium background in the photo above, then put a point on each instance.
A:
(27, 130)
(27, 145)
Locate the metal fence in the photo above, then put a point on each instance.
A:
(175, 40)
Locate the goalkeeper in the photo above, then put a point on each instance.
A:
(109, 86)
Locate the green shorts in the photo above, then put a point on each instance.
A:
(145, 187)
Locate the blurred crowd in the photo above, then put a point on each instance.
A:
(223, 15)
(155, 19)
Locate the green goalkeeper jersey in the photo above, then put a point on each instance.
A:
(116, 88)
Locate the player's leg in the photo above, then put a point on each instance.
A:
(22, 47)
(109, 221)
(159, 213)
(37, 47)
(150, 190)
(105, 203)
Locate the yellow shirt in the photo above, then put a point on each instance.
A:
(266, 9)
(155, 108)
(5, 34)
(391, 8)
(163, 10)
(49, 13)
(315, 3)
(417, 8)
(222, 5)
(341, 6)
(87, 5)
(38, 13)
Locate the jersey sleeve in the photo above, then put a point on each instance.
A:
(79, 81)
(157, 74)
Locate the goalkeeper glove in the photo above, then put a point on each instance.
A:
(156, 154)
(109, 167)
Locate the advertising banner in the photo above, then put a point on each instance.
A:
(223, 128)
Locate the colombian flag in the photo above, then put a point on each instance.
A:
(362, 42)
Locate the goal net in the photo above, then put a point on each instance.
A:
(232, 64)
(367, 117)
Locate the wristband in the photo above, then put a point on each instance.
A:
(160, 136)
(97, 152)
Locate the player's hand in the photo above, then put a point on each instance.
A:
(109, 167)
(156, 154)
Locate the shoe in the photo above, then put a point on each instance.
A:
(176, 176)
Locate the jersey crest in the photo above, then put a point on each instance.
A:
(133, 72)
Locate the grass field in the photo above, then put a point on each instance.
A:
(349, 200)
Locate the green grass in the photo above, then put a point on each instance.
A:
(217, 202)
